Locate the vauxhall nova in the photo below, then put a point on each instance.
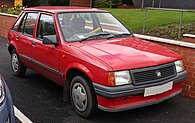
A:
(95, 58)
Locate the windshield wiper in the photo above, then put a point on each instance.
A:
(122, 35)
(94, 36)
(99, 35)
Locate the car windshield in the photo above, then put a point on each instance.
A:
(90, 25)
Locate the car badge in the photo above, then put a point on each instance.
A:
(158, 74)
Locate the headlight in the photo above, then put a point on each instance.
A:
(2, 93)
(119, 78)
(179, 66)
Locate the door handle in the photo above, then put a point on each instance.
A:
(33, 43)
(16, 37)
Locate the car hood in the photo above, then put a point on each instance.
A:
(128, 53)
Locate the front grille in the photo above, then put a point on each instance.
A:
(153, 74)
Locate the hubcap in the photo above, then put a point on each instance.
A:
(15, 62)
(79, 96)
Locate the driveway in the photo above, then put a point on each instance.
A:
(41, 101)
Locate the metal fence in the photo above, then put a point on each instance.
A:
(167, 9)
(179, 4)
(153, 3)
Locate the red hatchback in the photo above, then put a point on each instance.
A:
(95, 58)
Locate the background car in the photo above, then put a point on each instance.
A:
(6, 104)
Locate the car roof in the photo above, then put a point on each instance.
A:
(58, 9)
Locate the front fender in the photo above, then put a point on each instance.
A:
(80, 67)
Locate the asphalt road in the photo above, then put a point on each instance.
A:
(41, 101)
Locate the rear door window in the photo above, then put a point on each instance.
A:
(21, 28)
(18, 22)
(28, 24)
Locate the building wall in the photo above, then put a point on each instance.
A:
(83, 3)
(6, 22)
(188, 55)
(9, 3)
(179, 4)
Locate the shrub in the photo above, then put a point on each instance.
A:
(103, 3)
(58, 2)
(4, 8)
(15, 10)
(117, 2)
(128, 2)
(31, 3)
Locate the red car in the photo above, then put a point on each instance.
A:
(95, 58)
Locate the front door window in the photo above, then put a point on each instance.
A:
(45, 26)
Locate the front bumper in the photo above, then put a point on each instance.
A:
(126, 97)
(130, 90)
(6, 108)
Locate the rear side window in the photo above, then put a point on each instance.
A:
(18, 22)
(28, 24)
(21, 28)
(45, 26)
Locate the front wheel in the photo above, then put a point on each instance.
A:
(17, 67)
(83, 97)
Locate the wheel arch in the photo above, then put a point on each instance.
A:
(72, 71)
(11, 47)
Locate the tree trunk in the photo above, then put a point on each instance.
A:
(142, 7)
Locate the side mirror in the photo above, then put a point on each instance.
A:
(50, 39)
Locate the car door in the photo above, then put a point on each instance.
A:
(13, 36)
(24, 36)
(46, 57)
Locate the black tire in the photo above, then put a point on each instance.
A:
(89, 108)
(17, 66)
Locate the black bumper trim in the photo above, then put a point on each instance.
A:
(139, 106)
(129, 90)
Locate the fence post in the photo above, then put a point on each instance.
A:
(152, 3)
(180, 25)
(159, 3)
(144, 25)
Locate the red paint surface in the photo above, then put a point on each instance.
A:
(133, 101)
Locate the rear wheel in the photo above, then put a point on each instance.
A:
(17, 67)
(83, 97)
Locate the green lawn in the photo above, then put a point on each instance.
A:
(133, 18)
